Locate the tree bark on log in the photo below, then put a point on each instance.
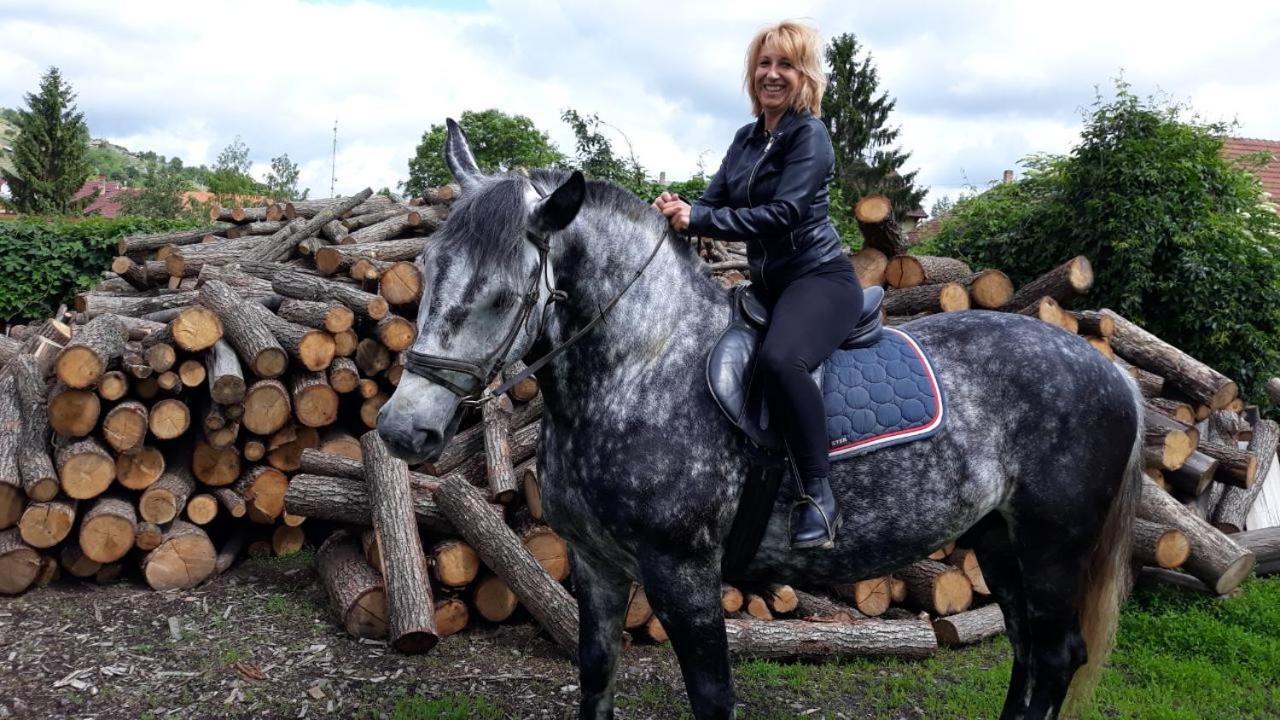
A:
(354, 588)
(408, 583)
(107, 530)
(906, 271)
(1190, 376)
(496, 417)
(92, 350)
(302, 286)
(164, 499)
(329, 316)
(315, 403)
(1063, 283)
(1234, 505)
(870, 265)
(35, 464)
(970, 627)
(1159, 545)
(263, 489)
(501, 550)
(344, 376)
(936, 587)
(222, 370)
(1194, 476)
(245, 331)
(1215, 559)
(94, 305)
(12, 497)
(815, 608)
(312, 348)
(387, 229)
(184, 558)
(139, 244)
(800, 640)
(345, 500)
(880, 229)
(948, 297)
(1237, 468)
(282, 249)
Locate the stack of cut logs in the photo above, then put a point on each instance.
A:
(218, 389)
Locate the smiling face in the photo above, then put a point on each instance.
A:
(776, 80)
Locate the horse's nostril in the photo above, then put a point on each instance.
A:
(430, 445)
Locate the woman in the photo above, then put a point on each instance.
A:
(771, 191)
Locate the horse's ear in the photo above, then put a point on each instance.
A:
(457, 155)
(558, 209)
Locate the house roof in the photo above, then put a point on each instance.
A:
(1269, 174)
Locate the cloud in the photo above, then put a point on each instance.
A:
(978, 84)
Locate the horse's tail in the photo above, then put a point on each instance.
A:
(1106, 580)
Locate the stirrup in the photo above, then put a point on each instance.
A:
(833, 526)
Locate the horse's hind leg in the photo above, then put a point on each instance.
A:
(602, 601)
(991, 541)
(685, 595)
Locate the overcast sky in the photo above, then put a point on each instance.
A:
(978, 84)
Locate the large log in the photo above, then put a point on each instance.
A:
(138, 470)
(96, 304)
(184, 558)
(990, 289)
(1159, 545)
(91, 351)
(263, 489)
(400, 283)
(12, 497)
(1234, 505)
(1063, 283)
(501, 550)
(331, 316)
(800, 640)
(408, 583)
(870, 265)
(196, 328)
(125, 427)
(354, 588)
(283, 249)
(320, 462)
(312, 348)
(214, 466)
(45, 524)
(970, 627)
(138, 244)
(870, 596)
(315, 403)
(222, 370)
(1264, 543)
(496, 416)
(880, 229)
(1236, 467)
(906, 271)
(39, 477)
(73, 413)
(816, 608)
(165, 498)
(947, 297)
(266, 407)
(936, 587)
(169, 419)
(387, 229)
(245, 331)
(85, 468)
(19, 563)
(1215, 559)
(108, 528)
(338, 258)
(1190, 376)
(454, 563)
(303, 286)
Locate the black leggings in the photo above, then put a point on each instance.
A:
(810, 318)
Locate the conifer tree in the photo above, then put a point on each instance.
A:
(855, 112)
(50, 153)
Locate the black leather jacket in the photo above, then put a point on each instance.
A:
(771, 191)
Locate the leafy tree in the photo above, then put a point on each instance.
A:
(1178, 238)
(282, 181)
(230, 174)
(855, 112)
(161, 196)
(498, 140)
(49, 153)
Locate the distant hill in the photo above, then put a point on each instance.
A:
(114, 161)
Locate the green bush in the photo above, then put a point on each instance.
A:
(1178, 237)
(44, 261)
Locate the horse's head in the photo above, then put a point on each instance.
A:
(482, 300)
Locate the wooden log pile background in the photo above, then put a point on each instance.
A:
(215, 395)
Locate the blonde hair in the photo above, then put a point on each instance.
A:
(802, 44)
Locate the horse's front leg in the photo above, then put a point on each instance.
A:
(685, 595)
(602, 594)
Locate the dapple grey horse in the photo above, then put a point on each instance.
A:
(1037, 468)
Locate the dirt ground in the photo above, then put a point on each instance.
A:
(261, 641)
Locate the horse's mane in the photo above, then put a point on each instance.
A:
(486, 225)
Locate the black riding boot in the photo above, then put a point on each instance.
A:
(815, 518)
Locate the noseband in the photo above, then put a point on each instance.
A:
(473, 392)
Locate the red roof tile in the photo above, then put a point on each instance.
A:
(1269, 174)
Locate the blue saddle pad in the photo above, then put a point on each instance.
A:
(881, 395)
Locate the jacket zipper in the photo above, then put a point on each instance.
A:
(750, 179)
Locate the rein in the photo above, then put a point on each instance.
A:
(475, 394)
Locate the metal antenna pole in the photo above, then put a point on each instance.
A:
(333, 159)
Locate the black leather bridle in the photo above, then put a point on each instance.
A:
(473, 393)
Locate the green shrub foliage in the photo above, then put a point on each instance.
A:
(43, 262)
(1178, 236)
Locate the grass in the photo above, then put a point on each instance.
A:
(1177, 656)
(449, 707)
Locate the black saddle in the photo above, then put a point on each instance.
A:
(731, 366)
